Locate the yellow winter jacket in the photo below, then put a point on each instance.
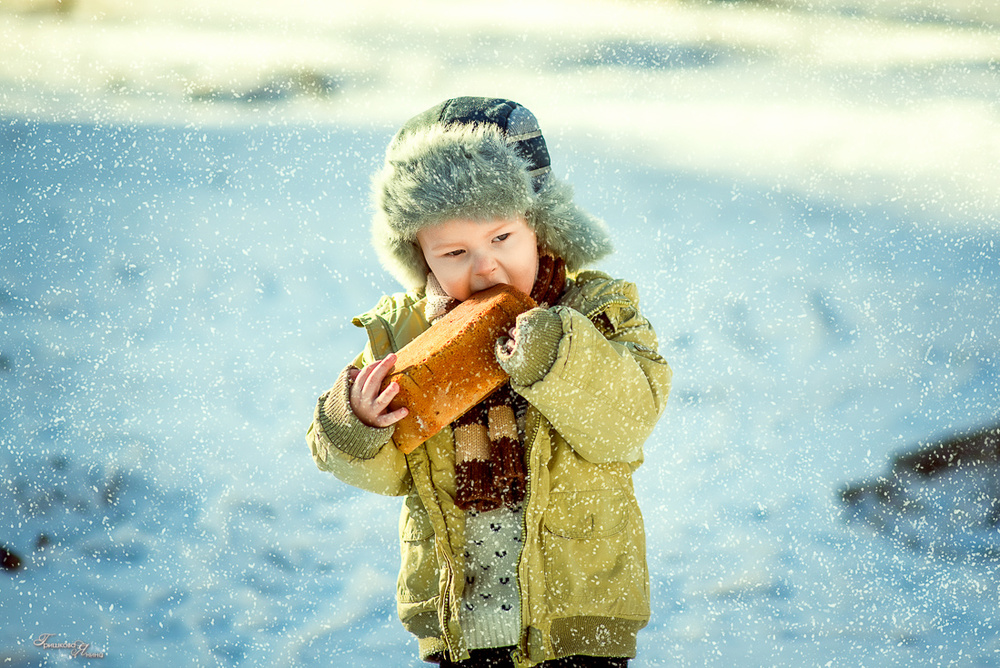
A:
(582, 573)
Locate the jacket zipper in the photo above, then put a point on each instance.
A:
(449, 638)
(518, 655)
(446, 606)
(605, 305)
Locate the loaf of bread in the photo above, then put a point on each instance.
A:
(452, 366)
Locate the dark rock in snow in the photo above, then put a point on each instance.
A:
(9, 560)
(942, 498)
(980, 448)
(281, 87)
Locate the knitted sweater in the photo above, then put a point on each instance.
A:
(491, 611)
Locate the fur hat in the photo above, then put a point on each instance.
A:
(479, 159)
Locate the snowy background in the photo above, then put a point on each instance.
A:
(807, 195)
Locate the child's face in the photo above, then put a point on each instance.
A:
(467, 256)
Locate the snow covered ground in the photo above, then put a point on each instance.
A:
(808, 201)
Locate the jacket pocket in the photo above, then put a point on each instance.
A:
(594, 554)
(418, 569)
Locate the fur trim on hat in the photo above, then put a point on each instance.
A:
(471, 172)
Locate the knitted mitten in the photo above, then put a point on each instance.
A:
(536, 344)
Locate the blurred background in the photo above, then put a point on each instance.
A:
(806, 194)
(828, 94)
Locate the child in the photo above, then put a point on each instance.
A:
(522, 542)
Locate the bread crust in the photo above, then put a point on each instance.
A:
(452, 366)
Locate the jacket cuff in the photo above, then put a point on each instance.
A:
(343, 428)
(539, 332)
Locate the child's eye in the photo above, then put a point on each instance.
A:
(454, 253)
(502, 237)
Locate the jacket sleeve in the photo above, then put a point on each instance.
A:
(607, 385)
(354, 452)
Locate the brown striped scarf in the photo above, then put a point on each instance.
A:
(489, 461)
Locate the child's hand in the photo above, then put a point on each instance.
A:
(511, 341)
(368, 401)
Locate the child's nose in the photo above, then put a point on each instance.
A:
(484, 264)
